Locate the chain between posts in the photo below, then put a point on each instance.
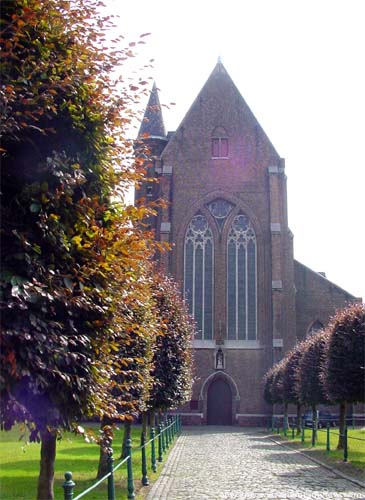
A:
(315, 431)
(166, 434)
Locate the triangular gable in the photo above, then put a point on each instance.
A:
(220, 103)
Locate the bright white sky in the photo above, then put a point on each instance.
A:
(300, 66)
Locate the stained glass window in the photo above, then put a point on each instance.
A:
(198, 274)
(241, 280)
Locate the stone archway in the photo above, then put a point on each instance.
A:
(219, 399)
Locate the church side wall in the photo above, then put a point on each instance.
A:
(317, 298)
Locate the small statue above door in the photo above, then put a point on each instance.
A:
(219, 360)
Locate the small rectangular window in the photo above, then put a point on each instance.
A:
(224, 148)
(219, 148)
(215, 148)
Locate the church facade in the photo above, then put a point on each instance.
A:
(226, 218)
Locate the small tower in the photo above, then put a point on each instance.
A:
(152, 127)
(151, 141)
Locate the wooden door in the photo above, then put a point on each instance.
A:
(219, 408)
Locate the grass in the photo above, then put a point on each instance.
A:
(19, 466)
(356, 446)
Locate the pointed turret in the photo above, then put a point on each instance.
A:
(152, 126)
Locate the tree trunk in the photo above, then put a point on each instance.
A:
(286, 420)
(105, 445)
(144, 423)
(103, 462)
(299, 419)
(152, 417)
(46, 472)
(126, 435)
(342, 424)
(314, 424)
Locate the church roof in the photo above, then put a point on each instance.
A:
(152, 125)
(220, 102)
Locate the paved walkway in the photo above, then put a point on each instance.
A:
(221, 463)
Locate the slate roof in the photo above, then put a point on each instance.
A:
(152, 125)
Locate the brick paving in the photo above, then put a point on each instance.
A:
(221, 463)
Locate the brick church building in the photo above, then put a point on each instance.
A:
(232, 249)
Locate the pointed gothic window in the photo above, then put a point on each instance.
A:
(219, 143)
(241, 280)
(315, 327)
(198, 275)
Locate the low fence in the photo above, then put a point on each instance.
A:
(278, 424)
(167, 431)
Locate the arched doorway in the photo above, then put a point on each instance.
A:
(219, 404)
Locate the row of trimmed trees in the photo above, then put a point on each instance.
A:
(88, 327)
(326, 368)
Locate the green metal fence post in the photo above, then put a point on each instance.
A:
(285, 425)
(180, 423)
(278, 426)
(167, 436)
(293, 432)
(128, 448)
(144, 479)
(68, 486)
(163, 437)
(303, 433)
(272, 423)
(168, 431)
(314, 432)
(328, 445)
(345, 449)
(159, 442)
(153, 450)
(110, 460)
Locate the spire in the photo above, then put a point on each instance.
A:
(152, 124)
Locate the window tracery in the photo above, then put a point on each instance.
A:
(241, 280)
(220, 209)
(198, 274)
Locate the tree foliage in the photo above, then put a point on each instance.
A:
(74, 272)
(309, 384)
(344, 370)
(172, 360)
(273, 384)
(290, 367)
(70, 255)
(326, 367)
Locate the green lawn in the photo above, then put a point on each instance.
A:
(19, 466)
(356, 444)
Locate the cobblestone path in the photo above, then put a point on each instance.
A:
(219, 463)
